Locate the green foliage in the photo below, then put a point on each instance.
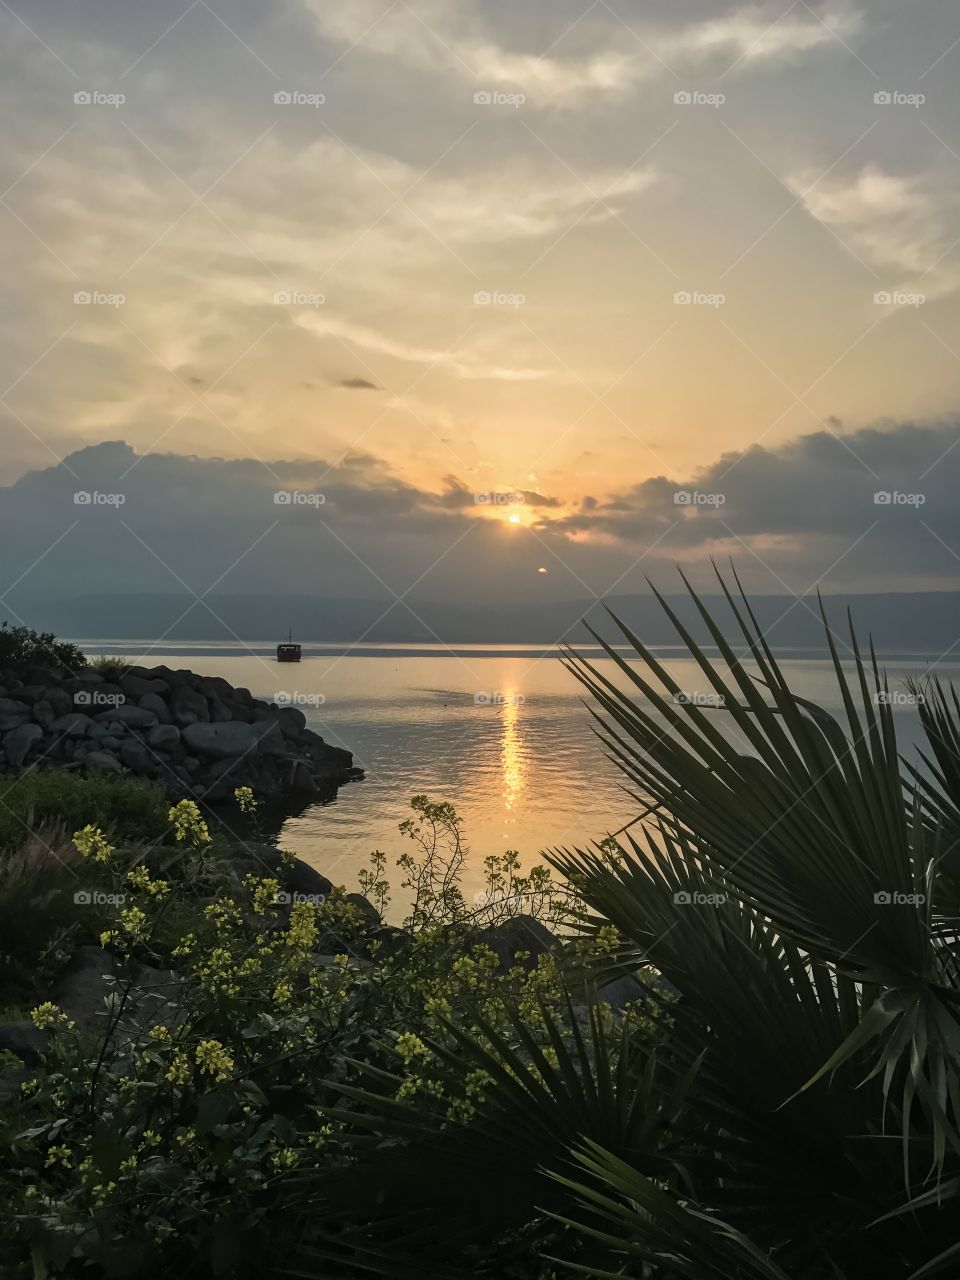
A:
(108, 666)
(129, 808)
(37, 912)
(171, 1142)
(24, 647)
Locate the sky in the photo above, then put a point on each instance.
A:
(494, 300)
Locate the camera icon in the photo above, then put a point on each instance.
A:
(282, 299)
(82, 298)
(682, 498)
(82, 498)
(282, 699)
(683, 98)
(482, 299)
(683, 298)
(483, 97)
(482, 699)
(282, 498)
(682, 698)
(82, 99)
(83, 698)
(282, 98)
(882, 298)
(82, 898)
(883, 98)
(283, 898)
(682, 898)
(882, 498)
(883, 898)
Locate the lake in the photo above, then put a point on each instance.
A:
(500, 733)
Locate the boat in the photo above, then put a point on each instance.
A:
(288, 650)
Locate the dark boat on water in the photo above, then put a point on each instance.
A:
(288, 651)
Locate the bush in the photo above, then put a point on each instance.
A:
(110, 667)
(24, 647)
(37, 912)
(128, 808)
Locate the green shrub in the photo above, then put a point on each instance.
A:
(24, 647)
(128, 808)
(110, 667)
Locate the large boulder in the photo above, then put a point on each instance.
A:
(101, 762)
(59, 699)
(153, 702)
(163, 737)
(135, 756)
(187, 707)
(135, 686)
(132, 717)
(518, 935)
(23, 1039)
(18, 743)
(73, 725)
(220, 741)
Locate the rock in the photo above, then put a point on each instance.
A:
(135, 686)
(83, 990)
(132, 717)
(188, 707)
(520, 933)
(292, 721)
(43, 713)
(102, 762)
(18, 743)
(13, 707)
(31, 693)
(620, 992)
(270, 739)
(153, 702)
(89, 676)
(42, 675)
(135, 756)
(23, 1039)
(163, 737)
(220, 713)
(297, 876)
(371, 916)
(220, 741)
(303, 779)
(59, 699)
(73, 725)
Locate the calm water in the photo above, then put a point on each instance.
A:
(502, 734)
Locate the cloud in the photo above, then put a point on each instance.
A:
(903, 224)
(359, 384)
(446, 37)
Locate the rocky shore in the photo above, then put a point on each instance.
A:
(197, 735)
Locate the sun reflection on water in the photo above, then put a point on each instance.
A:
(513, 764)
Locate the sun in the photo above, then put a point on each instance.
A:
(513, 519)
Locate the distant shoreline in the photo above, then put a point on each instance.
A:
(340, 649)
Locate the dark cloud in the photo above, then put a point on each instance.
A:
(359, 384)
